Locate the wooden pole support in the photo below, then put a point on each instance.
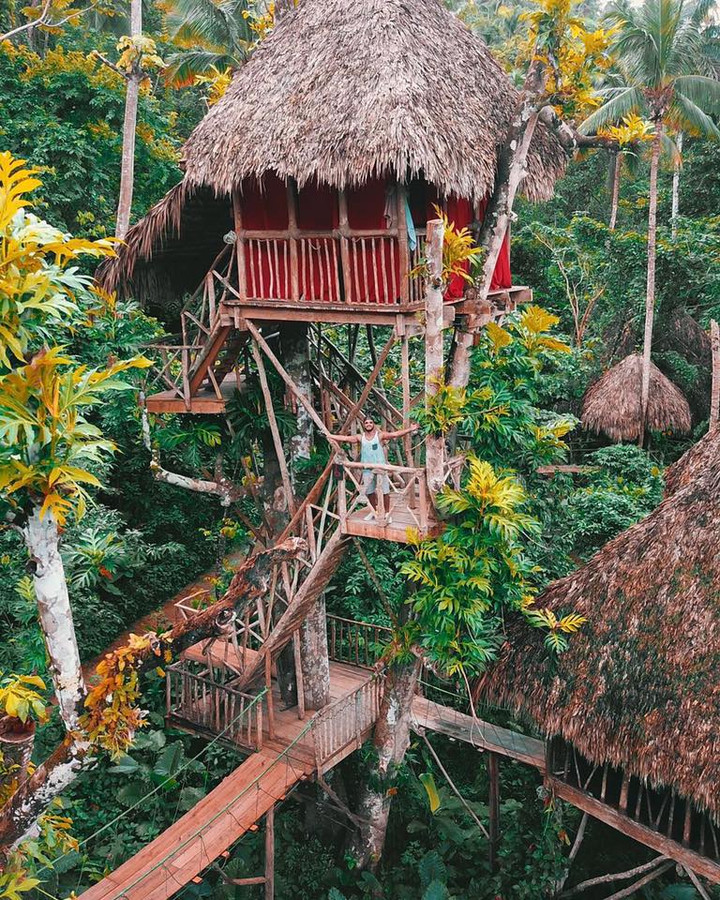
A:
(715, 392)
(494, 809)
(434, 444)
(270, 854)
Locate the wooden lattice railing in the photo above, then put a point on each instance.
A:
(346, 721)
(212, 706)
(356, 643)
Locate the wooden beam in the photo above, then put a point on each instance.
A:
(344, 248)
(270, 854)
(292, 222)
(288, 380)
(207, 356)
(403, 245)
(434, 358)
(275, 431)
(239, 244)
(701, 865)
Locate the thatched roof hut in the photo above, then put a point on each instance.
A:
(344, 90)
(612, 405)
(341, 92)
(638, 686)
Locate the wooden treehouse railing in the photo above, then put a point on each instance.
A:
(356, 643)
(345, 722)
(212, 706)
(407, 491)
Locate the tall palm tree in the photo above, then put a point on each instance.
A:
(212, 36)
(669, 79)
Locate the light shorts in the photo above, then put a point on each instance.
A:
(370, 481)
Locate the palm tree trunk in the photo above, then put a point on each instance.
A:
(615, 190)
(56, 619)
(650, 292)
(127, 170)
(676, 186)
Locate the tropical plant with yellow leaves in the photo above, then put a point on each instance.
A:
(37, 288)
(459, 252)
(473, 573)
(572, 56)
(443, 410)
(217, 81)
(138, 53)
(557, 627)
(19, 697)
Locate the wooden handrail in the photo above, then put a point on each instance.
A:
(381, 467)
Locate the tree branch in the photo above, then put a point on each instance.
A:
(614, 876)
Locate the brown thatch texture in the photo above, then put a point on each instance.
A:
(343, 90)
(639, 685)
(691, 464)
(612, 404)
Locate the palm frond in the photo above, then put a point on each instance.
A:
(701, 91)
(629, 100)
(692, 118)
(184, 66)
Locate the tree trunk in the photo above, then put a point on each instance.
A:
(132, 92)
(510, 172)
(56, 618)
(392, 738)
(315, 658)
(294, 338)
(615, 190)
(676, 186)
(650, 294)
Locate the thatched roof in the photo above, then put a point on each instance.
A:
(339, 92)
(639, 685)
(343, 90)
(612, 404)
(691, 464)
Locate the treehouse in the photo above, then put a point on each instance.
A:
(308, 186)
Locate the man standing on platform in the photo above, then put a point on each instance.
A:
(372, 451)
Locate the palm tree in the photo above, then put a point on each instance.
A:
(212, 37)
(668, 80)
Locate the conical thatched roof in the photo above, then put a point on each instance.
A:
(639, 685)
(342, 90)
(612, 404)
(691, 464)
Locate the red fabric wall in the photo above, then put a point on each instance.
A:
(264, 207)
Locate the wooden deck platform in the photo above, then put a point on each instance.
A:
(204, 401)
(298, 749)
(404, 524)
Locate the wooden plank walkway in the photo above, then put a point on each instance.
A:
(188, 847)
(477, 732)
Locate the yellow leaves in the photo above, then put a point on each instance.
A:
(557, 628)
(16, 181)
(632, 130)
(458, 249)
(537, 320)
(138, 53)
(498, 336)
(217, 81)
(19, 699)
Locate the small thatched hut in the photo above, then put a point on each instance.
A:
(348, 123)
(612, 405)
(638, 688)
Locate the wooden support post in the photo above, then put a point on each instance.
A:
(299, 676)
(274, 429)
(269, 697)
(240, 244)
(345, 248)
(494, 809)
(292, 228)
(434, 444)
(297, 393)
(270, 854)
(405, 366)
(715, 391)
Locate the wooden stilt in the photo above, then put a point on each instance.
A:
(270, 854)
(715, 392)
(434, 444)
(269, 697)
(494, 808)
(274, 429)
(299, 676)
(407, 440)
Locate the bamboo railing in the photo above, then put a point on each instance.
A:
(345, 722)
(356, 643)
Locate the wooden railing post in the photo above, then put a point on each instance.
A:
(344, 248)
(240, 244)
(403, 246)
